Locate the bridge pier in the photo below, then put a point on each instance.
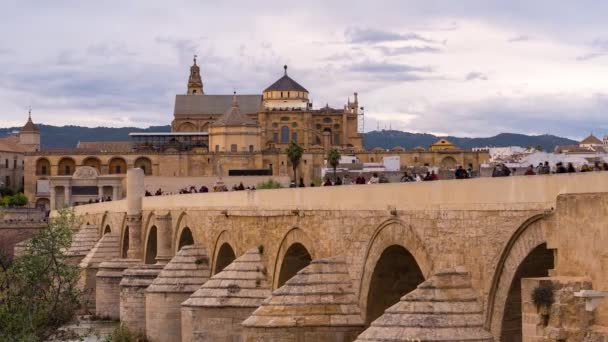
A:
(183, 275)
(317, 304)
(216, 310)
(135, 281)
(163, 242)
(107, 287)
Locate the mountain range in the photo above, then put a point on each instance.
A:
(69, 136)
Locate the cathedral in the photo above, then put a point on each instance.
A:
(267, 121)
(234, 137)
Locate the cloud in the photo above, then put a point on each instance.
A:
(373, 36)
(407, 50)
(474, 75)
(110, 49)
(599, 48)
(520, 38)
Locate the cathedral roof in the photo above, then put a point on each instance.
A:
(30, 127)
(286, 83)
(186, 105)
(234, 117)
(591, 140)
(11, 144)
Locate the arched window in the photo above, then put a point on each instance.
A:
(327, 120)
(284, 135)
(250, 148)
(233, 148)
(294, 136)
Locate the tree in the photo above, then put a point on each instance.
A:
(333, 159)
(38, 291)
(294, 153)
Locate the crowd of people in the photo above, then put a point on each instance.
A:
(218, 187)
(501, 170)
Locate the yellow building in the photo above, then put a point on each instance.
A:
(442, 145)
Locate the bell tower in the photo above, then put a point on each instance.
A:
(29, 136)
(195, 83)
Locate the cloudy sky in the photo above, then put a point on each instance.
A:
(467, 67)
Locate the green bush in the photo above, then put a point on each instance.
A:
(123, 334)
(6, 192)
(269, 184)
(38, 290)
(18, 200)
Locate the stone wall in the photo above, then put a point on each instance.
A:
(487, 225)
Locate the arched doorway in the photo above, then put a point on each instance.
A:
(225, 257)
(125, 243)
(145, 164)
(296, 258)
(396, 274)
(150, 257)
(43, 203)
(107, 230)
(117, 166)
(536, 264)
(448, 163)
(43, 167)
(66, 167)
(185, 239)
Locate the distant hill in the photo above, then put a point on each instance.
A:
(389, 139)
(69, 136)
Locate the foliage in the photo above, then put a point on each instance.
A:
(333, 159)
(38, 290)
(6, 192)
(269, 184)
(123, 334)
(18, 200)
(294, 153)
(543, 296)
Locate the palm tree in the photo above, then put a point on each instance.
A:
(333, 159)
(294, 153)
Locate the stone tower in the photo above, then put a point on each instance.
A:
(195, 83)
(29, 136)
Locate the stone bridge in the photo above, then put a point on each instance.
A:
(322, 264)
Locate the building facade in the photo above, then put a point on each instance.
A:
(222, 136)
(12, 152)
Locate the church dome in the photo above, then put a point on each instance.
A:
(286, 89)
(285, 83)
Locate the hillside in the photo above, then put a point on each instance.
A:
(388, 139)
(69, 136)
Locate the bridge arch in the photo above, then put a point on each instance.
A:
(396, 250)
(224, 252)
(150, 247)
(183, 233)
(295, 252)
(525, 255)
(103, 223)
(124, 242)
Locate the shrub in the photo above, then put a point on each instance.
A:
(18, 200)
(269, 184)
(38, 290)
(123, 334)
(6, 192)
(543, 296)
